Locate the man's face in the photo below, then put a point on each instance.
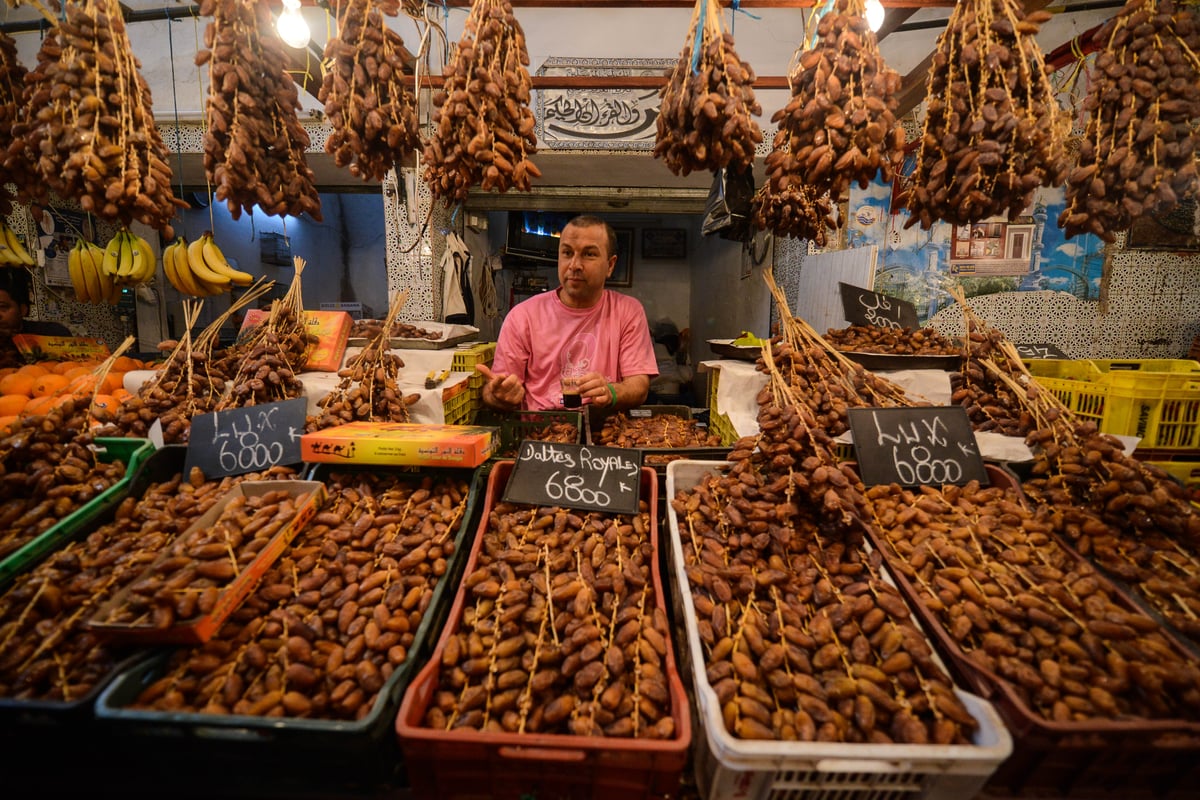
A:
(584, 264)
(11, 315)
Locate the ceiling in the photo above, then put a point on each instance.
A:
(166, 34)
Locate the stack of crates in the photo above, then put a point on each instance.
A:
(466, 356)
(1157, 400)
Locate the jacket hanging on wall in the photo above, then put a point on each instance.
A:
(727, 211)
(458, 306)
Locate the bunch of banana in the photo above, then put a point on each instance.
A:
(179, 274)
(128, 259)
(12, 252)
(92, 284)
(200, 268)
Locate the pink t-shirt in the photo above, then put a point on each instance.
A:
(541, 337)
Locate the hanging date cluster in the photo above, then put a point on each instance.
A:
(993, 129)
(707, 107)
(483, 127)
(253, 143)
(92, 126)
(18, 165)
(1138, 153)
(840, 126)
(372, 110)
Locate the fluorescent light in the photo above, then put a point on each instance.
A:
(293, 30)
(874, 14)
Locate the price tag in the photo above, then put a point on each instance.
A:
(1040, 350)
(249, 439)
(864, 307)
(576, 476)
(924, 446)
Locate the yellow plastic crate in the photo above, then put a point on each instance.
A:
(1157, 400)
(465, 359)
(1075, 384)
(458, 410)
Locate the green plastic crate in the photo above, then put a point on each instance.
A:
(516, 426)
(129, 450)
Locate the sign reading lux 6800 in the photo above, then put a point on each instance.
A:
(916, 446)
(576, 476)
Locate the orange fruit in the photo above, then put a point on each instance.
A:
(126, 363)
(83, 384)
(120, 394)
(8, 422)
(49, 384)
(33, 370)
(18, 383)
(74, 372)
(104, 402)
(38, 406)
(113, 380)
(11, 404)
(50, 366)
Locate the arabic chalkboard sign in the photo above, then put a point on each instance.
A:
(248, 439)
(576, 476)
(1040, 350)
(918, 446)
(864, 307)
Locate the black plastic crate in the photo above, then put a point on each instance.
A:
(293, 754)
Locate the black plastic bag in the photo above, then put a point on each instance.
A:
(727, 210)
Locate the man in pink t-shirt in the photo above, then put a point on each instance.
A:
(580, 336)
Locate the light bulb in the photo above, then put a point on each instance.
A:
(293, 30)
(874, 14)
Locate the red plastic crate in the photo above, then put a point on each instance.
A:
(461, 764)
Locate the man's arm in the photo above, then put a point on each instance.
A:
(631, 392)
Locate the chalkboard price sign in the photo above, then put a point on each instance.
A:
(576, 476)
(922, 446)
(248, 439)
(1040, 350)
(864, 307)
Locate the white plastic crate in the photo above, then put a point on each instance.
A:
(729, 768)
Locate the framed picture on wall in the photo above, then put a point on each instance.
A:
(664, 243)
(622, 274)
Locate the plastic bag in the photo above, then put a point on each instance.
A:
(727, 210)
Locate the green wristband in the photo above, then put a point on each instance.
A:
(612, 392)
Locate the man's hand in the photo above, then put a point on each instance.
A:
(629, 393)
(502, 390)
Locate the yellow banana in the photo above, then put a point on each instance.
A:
(217, 262)
(168, 259)
(91, 258)
(112, 255)
(7, 257)
(22, 254)
(174, 259)
(183, 267)
(202, 271)
(75, 270)
(125, 263)
(144, 263)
